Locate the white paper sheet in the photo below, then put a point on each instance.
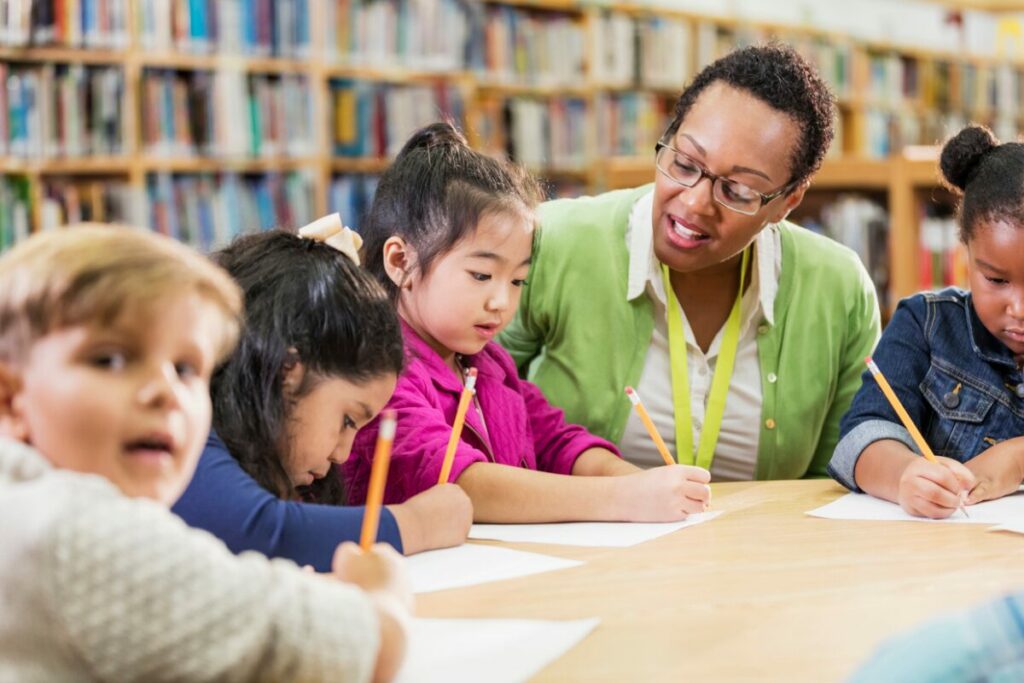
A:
(864, 507)
(492, 650)
(471, 564)
(605, 534)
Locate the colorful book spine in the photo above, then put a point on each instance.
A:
(371, 119)
(208, 210)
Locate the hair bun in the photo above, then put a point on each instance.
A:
(439, 134)
(962, 153)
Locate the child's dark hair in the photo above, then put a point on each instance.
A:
(777, 75)
(305, 295)
(435, 193)
(988, 175)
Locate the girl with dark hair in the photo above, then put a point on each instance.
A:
(450, 236)
(318, 359)
(954, 357)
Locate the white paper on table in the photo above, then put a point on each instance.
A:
(492, 650)
(861, 506)
(471, 564)
(606, 534)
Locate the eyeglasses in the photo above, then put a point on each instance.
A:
(683, 169)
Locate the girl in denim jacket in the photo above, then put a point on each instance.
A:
(953, 357)
(450, 236)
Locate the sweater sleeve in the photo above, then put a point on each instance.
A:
(144, 598)
(863, 327)
(871, 418)
(983, 644)
(421, 439)
(223, 499)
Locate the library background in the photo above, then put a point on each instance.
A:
(206, 118)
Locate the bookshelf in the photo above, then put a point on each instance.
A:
(202, 118)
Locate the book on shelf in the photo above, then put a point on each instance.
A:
(209, 210)
(351, 195)
(548, 134)
(259, 28)
(941, 259)
(531, 47)
(370, 119)
(15, 210)
(862, 224)
(628, 51)
(69, 201)
(61, 110)
(630, 123)
(98, 24)
(432, 35)
(225, 113)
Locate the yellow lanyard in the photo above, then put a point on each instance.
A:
(719, 384)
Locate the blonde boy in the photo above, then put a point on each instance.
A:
(108, 338)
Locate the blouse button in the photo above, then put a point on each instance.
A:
(762, 329)
(951, 400)
(769, 423)
(772, 378)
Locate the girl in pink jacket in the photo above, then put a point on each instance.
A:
(450, 236)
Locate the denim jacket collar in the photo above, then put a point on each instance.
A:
(983, 342)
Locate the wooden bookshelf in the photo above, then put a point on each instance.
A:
(486, 96)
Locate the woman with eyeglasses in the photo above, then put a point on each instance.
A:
(744, 334)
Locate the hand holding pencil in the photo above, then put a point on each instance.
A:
(918, 494)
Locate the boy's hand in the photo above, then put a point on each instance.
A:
(933, 489)
(439, 517)
(998, 471)
(380, 571)
(665, 494)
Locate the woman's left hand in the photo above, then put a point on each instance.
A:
(999, 470)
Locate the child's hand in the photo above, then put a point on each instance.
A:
(998, 471)
(381, 571)
(439, 517)
(933, 489)
(665, 494)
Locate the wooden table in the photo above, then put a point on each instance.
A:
(762, 593)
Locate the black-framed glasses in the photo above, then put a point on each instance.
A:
(686, 171)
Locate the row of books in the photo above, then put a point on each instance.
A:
(422, 34)
(278, 28)
(534, 48)
(630, 123)
(68, 23)
(208, 211)
(66, 202)
(61, 110)
(371, 119)
(548, 134)
(649, 51)
(351, 196)
(225, 113)
(862, 224)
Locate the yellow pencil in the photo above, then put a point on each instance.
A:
(460, 419)
(378, 477)
(894, 401)
(646, 419)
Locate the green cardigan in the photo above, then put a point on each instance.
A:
(579, 339)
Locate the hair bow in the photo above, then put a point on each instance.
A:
(330, 230)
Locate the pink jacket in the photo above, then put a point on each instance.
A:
(523, 429)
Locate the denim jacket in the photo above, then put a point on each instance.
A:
(960, 385)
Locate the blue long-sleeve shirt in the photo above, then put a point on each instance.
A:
(224, 500)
